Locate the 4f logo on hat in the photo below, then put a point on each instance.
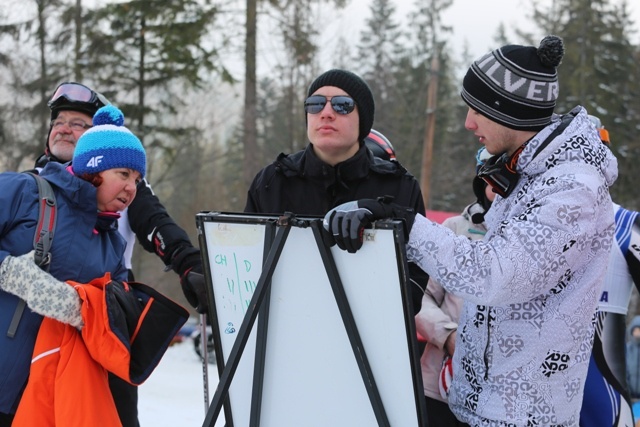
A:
(94, 161)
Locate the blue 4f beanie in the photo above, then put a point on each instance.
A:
(108, 145)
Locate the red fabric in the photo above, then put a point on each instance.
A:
(439, 216)
(446, 374)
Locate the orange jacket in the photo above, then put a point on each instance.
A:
(127, 329)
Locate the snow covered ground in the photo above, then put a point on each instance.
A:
(173, 396)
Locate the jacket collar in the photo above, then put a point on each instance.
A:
(107, 221)
(79, 192)
(356, 167)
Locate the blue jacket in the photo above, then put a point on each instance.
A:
(78, 253)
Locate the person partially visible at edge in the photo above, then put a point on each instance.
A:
(86, 245)
(437, 320)
(531, 286)
(632, 351)
(72, 108)
(336, 166)
(606, 400)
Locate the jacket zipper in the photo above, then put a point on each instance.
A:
(485, 355)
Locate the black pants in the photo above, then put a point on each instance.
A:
(439, 414)
(125, 396)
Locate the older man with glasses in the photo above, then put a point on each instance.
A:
(72, 108)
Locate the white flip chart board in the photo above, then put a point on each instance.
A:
(311, 376)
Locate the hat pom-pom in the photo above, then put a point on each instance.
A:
(108, 115)
(551, 51)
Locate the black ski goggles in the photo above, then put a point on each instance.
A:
(342, 105)
(499, 172)
(76, 93)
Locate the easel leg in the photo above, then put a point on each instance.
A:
(350, 326)
(247, 325)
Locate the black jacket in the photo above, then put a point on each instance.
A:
(147, 218)
(303, 184)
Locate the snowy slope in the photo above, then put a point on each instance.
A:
(173, 396)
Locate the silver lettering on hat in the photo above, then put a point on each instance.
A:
(515, 84)
(540, 87)
(534, 89)
(512, 87)
(497, 72)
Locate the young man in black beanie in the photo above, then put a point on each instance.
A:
(530, 287)
(336, 166)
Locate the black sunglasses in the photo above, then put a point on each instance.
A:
(341, 104)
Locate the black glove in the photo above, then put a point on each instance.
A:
(346, 223)
(188, 264)
(194, 289)
(129, 309)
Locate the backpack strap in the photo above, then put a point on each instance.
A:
(42, 240)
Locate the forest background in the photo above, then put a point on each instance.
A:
(191, 78)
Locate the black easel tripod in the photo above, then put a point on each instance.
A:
(256, 306)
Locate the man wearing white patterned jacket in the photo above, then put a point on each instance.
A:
(531, 286)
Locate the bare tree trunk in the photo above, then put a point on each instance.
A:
(250, 166)
(141, 90)
(44, 128)
(427, 153)
(77, 67)
(141, 74)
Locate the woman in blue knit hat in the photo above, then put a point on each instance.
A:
(112, 158)
(101, 181)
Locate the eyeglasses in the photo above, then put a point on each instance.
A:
(341, 104)
(75, 125)
(76, 92)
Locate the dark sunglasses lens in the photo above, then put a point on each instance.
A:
(314, 104)
(342, 104)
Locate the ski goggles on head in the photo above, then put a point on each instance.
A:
(341, 104)
(499, 172)
(76, 93)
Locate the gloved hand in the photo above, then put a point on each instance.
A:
(125, 308)
(42, 292)
(346, 223)
(446, 375)
(188, 264)
(194, 289)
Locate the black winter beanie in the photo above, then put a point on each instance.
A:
(516, 86)
(356, 88)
